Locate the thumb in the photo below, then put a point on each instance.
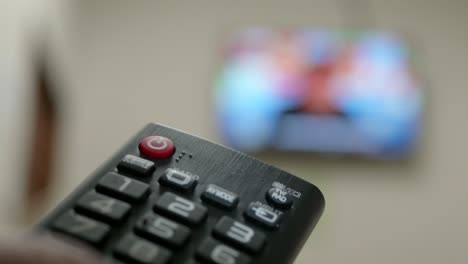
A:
(43, 250)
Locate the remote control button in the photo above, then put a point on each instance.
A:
(123, 188)
(157, 147)
(81, 227)
(220, 197)
(140, 251)
(280, 198)
(161, 229)
(239, 234)
(137, 165)
(181, 209)
(178, 180)
(263, 216)
(214, 252)
(102, 207)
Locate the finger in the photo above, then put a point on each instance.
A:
(43, 250)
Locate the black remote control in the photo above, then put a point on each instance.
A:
(170, 197)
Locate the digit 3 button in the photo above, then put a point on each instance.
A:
(157, 147)
(279, 198)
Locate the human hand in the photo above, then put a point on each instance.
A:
(36, 250)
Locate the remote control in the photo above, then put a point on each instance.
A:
(170, 197)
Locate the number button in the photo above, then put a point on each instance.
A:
(239, 234)
(123, 188)
(263, 216)
(178, 180)
(279, 198)
(136, 250)
(158, 228)
(136, 165)
(102, 207)
(181, 208)
(81, 227)
(214, 252)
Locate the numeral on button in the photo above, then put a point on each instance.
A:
(138, 250)
(239, 234)
(122, 187)
(178, 180)
(214, 252)
(102, 207)
(180, 208)
(161, 229)
(81, 227)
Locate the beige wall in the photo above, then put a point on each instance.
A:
(126, 63)
(20, 21)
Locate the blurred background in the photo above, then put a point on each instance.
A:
(78, 78)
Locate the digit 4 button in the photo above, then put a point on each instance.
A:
(103, 207)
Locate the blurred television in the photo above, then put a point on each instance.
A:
(319, 91)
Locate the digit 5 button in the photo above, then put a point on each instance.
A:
(157, 147)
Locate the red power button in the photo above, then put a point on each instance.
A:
(157, 147)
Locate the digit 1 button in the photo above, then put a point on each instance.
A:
(136, 250)
(263, 216)
(81, 227)
(102, 207)
(279, 198)
(161, 229)
(157, 147)
(123, 188)
(180, 208)
(178, 180)
(213, 252)
(239, 234)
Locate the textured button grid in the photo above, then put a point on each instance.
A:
(157, 235)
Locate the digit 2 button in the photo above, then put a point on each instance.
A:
(180, 208)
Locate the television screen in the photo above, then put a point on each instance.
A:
(319, 91)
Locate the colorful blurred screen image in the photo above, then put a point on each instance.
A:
(319, 91)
